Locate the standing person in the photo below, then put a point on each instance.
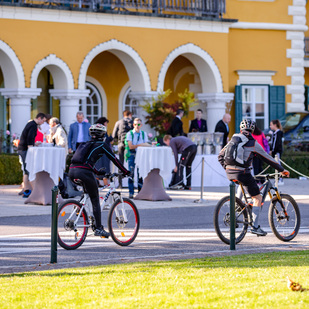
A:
(176, 126)
(187, 149)
(276, 145)
(78, 132)
(239, 168)
(121, 128)
(257, 163)
(27, 139)
(57, 134)
(83, 168)
(223, 126)
(198, 124)
(104, 162)
(43, 130)
(134, 139)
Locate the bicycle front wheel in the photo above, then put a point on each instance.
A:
(284, 217)
(123, 222)
(222, 220)
(72, 225)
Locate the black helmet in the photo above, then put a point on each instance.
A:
(247, 124)
(97, 130)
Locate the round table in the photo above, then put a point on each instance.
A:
(154, 163)
(45, 165)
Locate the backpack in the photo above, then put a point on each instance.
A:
(127, 151)
(125, 126)
(234, 152)
(82, 152)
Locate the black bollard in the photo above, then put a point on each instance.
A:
(232, 216)
(54, 225)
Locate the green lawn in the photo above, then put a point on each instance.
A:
(246, 281)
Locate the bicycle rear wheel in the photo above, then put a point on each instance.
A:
(222, 220)
(284, 217)
(123, 222)
(72, 230)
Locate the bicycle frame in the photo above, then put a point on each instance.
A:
(267, 186)
(86, 204)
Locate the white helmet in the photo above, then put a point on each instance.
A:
(97, 130)
(247, 124)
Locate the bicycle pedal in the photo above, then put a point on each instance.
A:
(103, 237)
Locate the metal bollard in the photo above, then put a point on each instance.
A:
(201, 200)
(277, 173)
(232, 216)
(54, 225)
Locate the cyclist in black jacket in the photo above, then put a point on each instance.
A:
(242, 172)
(83, 168)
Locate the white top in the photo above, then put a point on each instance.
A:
(48, 159)
(137, 137)
(148, 158)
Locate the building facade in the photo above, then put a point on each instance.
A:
(245, 57)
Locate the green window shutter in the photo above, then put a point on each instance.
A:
(276, 102)
(238, 108)
(306, 97)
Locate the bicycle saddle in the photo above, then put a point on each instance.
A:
(78, 182)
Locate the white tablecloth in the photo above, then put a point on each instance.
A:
(148, 158)
(48, 159)
(214, 173)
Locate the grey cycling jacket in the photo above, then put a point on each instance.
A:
(251, 148)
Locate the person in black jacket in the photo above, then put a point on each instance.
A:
(276, 140)
(121, 128)
(83, 168)
(198, 124)
(27, 139)
(176, 126)
(223, 126)
(242, 171)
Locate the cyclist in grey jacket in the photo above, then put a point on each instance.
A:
(241, 171)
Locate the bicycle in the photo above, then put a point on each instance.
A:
(76, 217)
(283, 215)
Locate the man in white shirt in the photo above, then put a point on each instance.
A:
(134, 139)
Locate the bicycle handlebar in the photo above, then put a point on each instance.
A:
(270, 175)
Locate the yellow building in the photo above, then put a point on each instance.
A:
(245, 57)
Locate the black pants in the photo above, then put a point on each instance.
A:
(186, 160)
(257, 167)
(90, 184)
(121, 149)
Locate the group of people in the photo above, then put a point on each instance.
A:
(91, 151)
(199, 125)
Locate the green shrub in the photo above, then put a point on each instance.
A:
(10, 169)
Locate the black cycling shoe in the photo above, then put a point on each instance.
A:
(101, 232)
(258, 231)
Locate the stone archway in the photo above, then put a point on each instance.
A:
(11, 67)
(62, 75)
(207, 69)
(135, 66)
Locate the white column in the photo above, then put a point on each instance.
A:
(69, 104)
(142, 98)
(20, 106)
(215, 106)
(296, 53)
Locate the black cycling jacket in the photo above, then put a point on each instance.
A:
(251, 148)
(97, 149)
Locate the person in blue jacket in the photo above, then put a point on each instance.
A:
(78, 132)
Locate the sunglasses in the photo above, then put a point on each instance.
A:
(137, 124)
